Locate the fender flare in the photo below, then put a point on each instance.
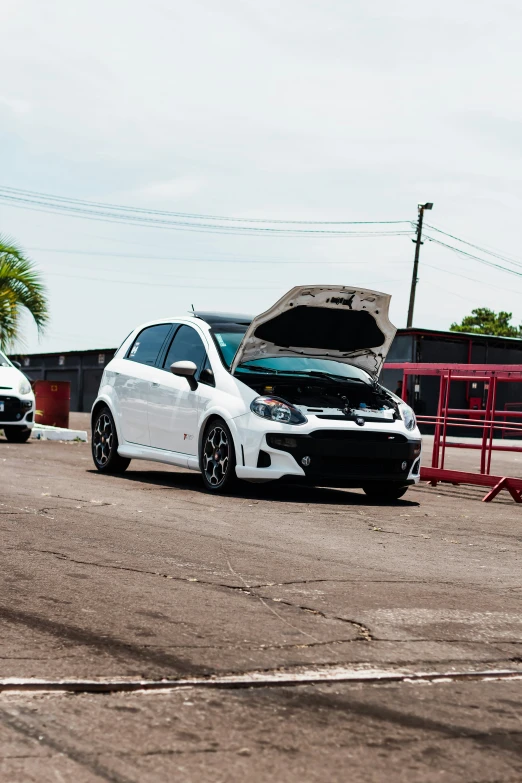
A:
(104, 400)
(219, 413)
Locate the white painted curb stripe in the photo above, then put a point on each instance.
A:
(257, 680)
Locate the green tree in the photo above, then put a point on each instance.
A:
(21, 289)
(485, 321)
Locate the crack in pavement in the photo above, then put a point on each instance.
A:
(364, 633)
(161, 574)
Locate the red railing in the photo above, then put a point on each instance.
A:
(488, 421)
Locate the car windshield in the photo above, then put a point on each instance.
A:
(4, 362)
(228, 340)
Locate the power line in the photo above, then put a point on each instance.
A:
(184, 259)
(192, 215)
(472, 279)
(114, 218)
(176, 221)
(495, 254)
(162, 285)
(476, 258)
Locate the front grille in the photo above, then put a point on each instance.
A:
(349, 454)
(342, 417)
(359, 436)
(12, 409)
(355, 466)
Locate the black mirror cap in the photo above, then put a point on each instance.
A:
(186, 370)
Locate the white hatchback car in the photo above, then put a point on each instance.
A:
(291, 394)
(16, 402)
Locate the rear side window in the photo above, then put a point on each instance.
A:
(147, 345)
(187, 345)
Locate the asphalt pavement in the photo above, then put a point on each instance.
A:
(145, 576)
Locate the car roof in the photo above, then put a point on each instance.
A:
(212, 319)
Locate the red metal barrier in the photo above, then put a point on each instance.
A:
(487, 421)
(52, 402)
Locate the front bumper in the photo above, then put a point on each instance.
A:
(16, 410)
(340, 454)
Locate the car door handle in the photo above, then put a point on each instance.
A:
(154, 384)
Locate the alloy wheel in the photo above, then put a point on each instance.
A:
(103, 438)
(216, 456)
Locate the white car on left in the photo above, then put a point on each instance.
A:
(16, 402)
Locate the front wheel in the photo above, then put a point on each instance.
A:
(385, 491)
(17, 434)
(105, 444)
(218, 458)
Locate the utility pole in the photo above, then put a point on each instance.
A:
(418, 242)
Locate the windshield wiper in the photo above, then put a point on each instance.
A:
(326, 374)
(305, 373)
(254, 368)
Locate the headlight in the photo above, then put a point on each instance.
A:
(408, 416)
(24, 387)
(277, 410)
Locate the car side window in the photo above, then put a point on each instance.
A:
(147, 345)
(186, 345)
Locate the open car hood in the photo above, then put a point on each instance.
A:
(349, 325)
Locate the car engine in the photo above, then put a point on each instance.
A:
(330, 399)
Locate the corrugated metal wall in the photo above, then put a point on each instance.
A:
(84, 368)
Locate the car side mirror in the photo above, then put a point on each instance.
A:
(17, 365)
(185, 370)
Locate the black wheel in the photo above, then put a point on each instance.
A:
(385, 491)
(105, 444)
(218, 457)
(17, 434)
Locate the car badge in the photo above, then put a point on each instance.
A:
(360, 421)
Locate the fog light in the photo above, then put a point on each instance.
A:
(404, 465)
(281, 442)
(306, 461)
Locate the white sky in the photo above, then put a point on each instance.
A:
(296, 109)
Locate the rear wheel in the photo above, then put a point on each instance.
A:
(387, 490)
(218, 458)
(17, 434)
(105, 444)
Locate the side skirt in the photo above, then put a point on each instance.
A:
(134, 451)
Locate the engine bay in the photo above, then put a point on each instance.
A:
(328, 398)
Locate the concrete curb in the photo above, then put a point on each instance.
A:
(44, 432)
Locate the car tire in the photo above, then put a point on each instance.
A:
(385, 491)
(218, 458)
(17, 434)
(104, 444)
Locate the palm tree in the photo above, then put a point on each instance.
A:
(21, 289)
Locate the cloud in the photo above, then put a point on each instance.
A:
(167, 191)
(15, 105)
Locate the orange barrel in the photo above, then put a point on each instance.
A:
(53, 401)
